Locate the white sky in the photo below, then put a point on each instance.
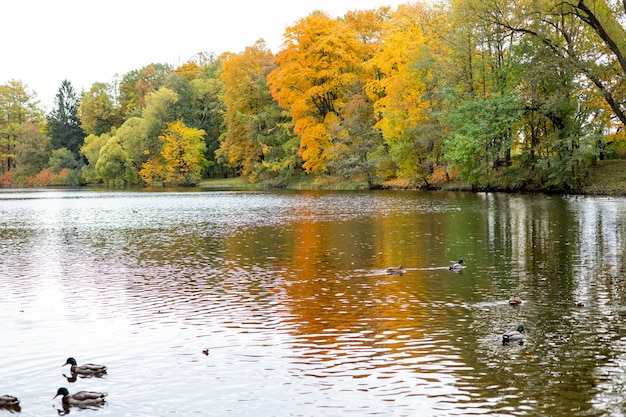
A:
(44, 42)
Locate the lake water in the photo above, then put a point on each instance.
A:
(287, 292)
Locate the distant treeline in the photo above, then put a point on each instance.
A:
(523, 94)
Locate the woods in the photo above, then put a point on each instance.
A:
(514, 95)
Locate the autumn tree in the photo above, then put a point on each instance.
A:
(208, 104)
(182, 157)
(250, 134)
(552, 53)
(33, 151)
(18, 105)
(63, 124)
(98, 112)
(406, 92)
(320, 62)
(136, 85)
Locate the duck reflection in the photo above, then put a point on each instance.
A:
(74, 376)
(14, 408)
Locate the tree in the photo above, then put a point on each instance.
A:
(91, 151)
(320, 61)
(208, 103)
(182, 158)
(17, 106)
(406, 90)
(33, 151)
(63, 122)
(247, 100)
(136, 85)
(97, 112)
(114, 165)
(62, 158)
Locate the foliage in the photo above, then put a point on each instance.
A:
(17, 106)
(63, 123)
(182, 157)
(479, 135)
(62, 158)
(319, 64)
(97, 111)
(253, 120)
(519, 94)
(33, 151)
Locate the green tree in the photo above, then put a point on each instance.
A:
(136, 85)
(63, 122)
(476, 130)
(97, 112)
(17, 106)
(208, 105)
(91, 151)
(62, 158)
(114, 166)
(33, 151)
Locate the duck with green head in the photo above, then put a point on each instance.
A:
(457, 266)
(514, 336)
(81, 398)
(85, 369)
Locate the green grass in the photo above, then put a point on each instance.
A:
(607, 178)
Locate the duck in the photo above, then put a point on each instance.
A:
(515, 300)
(395, 270)
(85, 369)
(514, 336)
(81, 398)
(458, 266)
(9, 401)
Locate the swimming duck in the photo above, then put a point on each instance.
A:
(85, 369)
(9, 401)
(514, 336)
(515, 300)
(458, 266)
(395, 270)
(81, 398)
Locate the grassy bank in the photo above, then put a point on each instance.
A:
(606, 178)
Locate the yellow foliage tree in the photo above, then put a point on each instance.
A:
(245, 98)
(407, 63)
(183, 153)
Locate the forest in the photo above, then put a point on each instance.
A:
(499, 94)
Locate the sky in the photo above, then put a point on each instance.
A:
(85, 41)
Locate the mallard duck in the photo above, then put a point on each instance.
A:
(85, 369)
(515, 300)
(514, 336)
(458, 266)
(9, 401)
(81, 398)
(395, 270)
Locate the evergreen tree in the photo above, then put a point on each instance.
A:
(63, 122)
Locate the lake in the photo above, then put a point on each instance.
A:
(277, 303)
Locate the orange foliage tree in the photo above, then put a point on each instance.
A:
(319, 65)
